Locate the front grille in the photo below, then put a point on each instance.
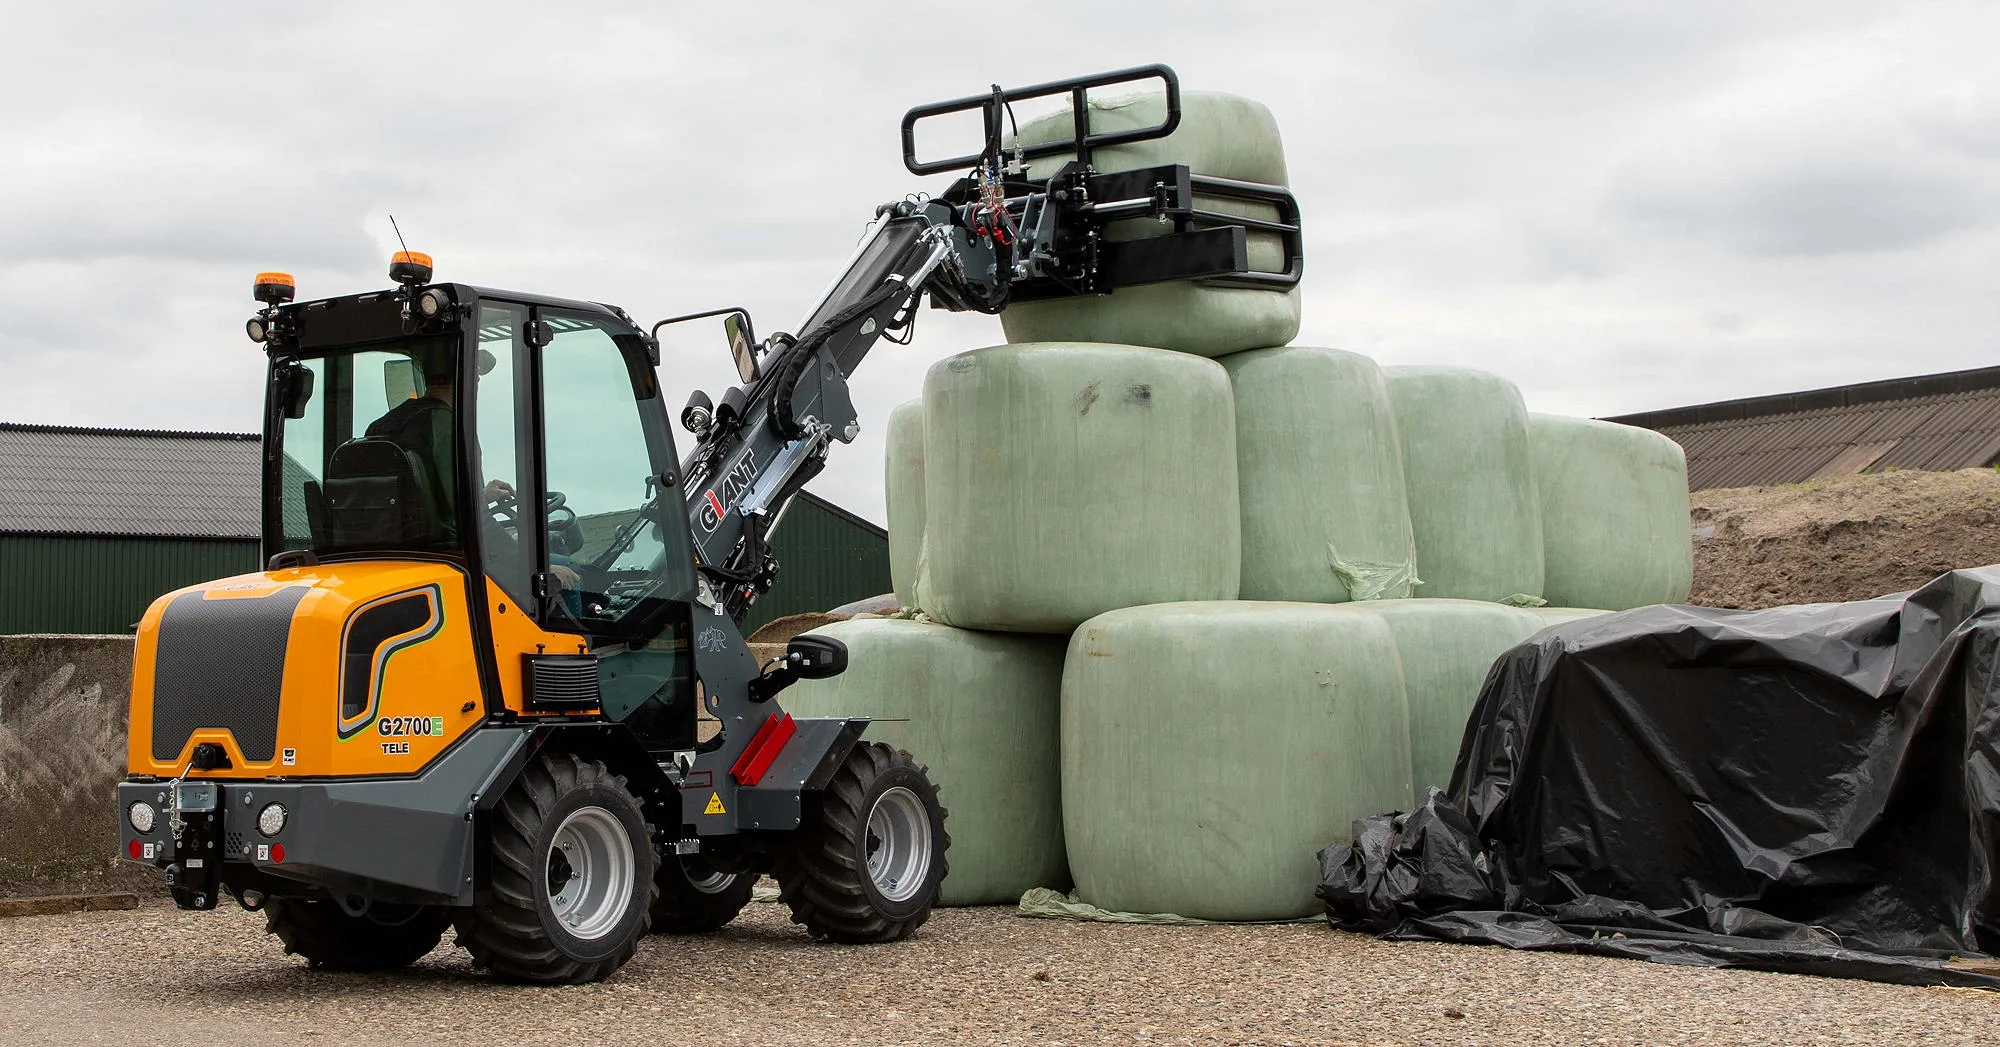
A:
(562, 681)
(221, 663)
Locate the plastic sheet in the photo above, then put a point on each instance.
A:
(1809, 789)
(1046, 904)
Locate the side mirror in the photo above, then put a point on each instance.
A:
(295, 389)
(742, 345)
(806, 658)
(816, 657)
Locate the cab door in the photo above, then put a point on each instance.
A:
(599, 559)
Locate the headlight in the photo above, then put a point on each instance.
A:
(271, 820)
(141, 816)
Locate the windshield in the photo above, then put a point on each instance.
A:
(367, 450)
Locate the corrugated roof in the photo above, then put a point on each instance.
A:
(63, 480)
(1938, 422)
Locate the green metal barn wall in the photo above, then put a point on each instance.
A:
(825, 558)
(72, 584)
(75, 584)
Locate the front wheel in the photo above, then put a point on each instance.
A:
(384, 938)
(572, 877)
(870, 853)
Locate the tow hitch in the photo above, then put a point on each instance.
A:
(195, 876)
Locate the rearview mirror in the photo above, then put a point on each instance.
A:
(741, 347)
(295, 389)
(816, 657)
(806, 658)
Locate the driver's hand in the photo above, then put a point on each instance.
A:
(565, 576)
(498, 489)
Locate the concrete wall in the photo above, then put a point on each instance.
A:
(62, 750)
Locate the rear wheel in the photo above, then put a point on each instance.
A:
(384, 938)
(572, 877)
(695, 897)
(870, 853)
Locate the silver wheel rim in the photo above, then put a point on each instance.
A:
(704, 879)
(899, 844)
(590, 871)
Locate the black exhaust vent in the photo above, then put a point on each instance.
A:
(562, 681)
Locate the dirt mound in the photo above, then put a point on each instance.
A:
(1842, 538)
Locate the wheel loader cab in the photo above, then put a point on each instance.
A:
(455, 509)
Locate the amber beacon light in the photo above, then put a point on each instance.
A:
(274, 290)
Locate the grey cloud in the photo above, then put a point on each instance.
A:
(1483, 182)
(1837, 205)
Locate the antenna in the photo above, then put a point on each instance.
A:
(399, 234)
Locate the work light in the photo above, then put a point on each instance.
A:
(271, 820)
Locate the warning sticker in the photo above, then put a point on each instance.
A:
(714, 804)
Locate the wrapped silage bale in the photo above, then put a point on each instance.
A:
(1446, 648)
(903, 488)
(1062, 480)
(1326, 515)
(979, 710)
(1614, 507)
(1220, 135)
(1474, 507)
(1210, 749)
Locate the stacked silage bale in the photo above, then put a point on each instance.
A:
(1281, 573)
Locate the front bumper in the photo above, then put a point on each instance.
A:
(406, 839)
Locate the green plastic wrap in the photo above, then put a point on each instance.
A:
(979, 710)
(1209, 750)
(1221, 135)
(1614, 506)
(1063, 480)
(1446, 648)
(1326, 516)
(903, 488)
(1473, 503)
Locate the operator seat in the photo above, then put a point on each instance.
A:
(422, 427)
(378, 496)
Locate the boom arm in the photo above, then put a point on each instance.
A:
(995, 237)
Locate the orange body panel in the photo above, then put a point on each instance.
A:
(515, 635)
(423, 685)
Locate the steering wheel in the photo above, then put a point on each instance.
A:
(506, 509)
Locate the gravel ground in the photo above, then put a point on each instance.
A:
(977, 976)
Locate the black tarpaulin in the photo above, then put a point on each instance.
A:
(1810, 789)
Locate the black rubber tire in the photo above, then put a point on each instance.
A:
(688, 904)
(513, 930)
(824, 876)
(386, 938)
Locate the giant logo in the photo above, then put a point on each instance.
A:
(739, 480)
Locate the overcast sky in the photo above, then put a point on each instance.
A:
(1617, 206)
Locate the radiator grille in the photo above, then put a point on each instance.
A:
(562, 681)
